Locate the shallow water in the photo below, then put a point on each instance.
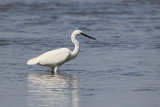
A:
(120, 69)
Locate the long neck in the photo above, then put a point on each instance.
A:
(76, 43)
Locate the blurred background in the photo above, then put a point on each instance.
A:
(120, 69)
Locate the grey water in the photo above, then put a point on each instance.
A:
(120, 69)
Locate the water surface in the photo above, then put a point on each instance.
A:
(120, 69)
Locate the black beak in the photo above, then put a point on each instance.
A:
(88, 36)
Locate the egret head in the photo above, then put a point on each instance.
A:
(80, 33)
(77, 32)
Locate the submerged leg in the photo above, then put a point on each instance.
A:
(55, 70)
(52, 69)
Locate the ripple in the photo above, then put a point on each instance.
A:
(4, 42)
(133, 74)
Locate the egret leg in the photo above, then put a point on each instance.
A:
(55, 70)
(52, 69)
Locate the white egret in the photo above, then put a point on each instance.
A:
(57, 57)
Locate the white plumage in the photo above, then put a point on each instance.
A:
(57, 57)
(46, 59)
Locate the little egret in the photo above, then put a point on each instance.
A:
(57, 57)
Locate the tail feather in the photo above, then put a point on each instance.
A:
(32, 61)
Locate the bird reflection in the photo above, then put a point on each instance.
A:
(58, 90)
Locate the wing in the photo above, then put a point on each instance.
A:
(53, 57)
